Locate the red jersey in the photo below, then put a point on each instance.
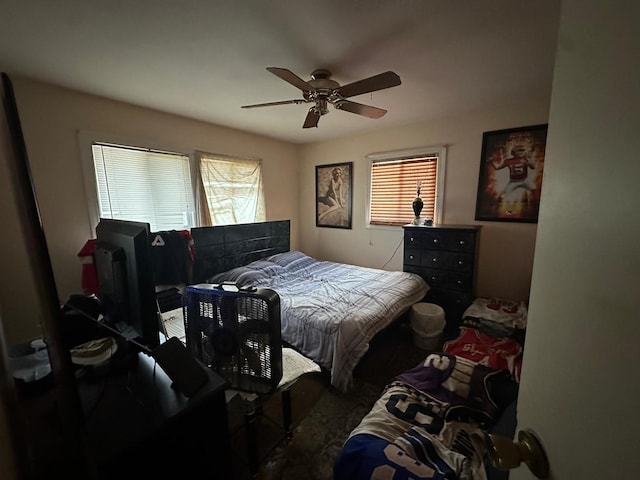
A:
(517, 167)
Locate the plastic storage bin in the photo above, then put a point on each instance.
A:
(427, 323)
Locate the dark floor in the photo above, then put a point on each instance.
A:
(390, 353)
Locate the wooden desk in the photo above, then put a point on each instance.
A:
(138, 426)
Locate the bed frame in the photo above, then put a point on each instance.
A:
(221, 248)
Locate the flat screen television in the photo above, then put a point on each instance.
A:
(126, 280)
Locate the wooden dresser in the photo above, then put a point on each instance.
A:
(447, 258)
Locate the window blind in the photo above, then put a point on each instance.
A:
(144, 185)
(394, 186)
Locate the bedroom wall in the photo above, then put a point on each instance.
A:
(506, 249)
(51, 119)
(52, 116)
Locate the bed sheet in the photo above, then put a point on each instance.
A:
(330, 311)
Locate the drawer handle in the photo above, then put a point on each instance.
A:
(460, 262)
(411, 239)
(461, 242)
(434, 260)
(435, 240)
(433, 278)
(459, 282)
(410, 257)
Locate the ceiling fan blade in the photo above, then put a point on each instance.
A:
(292, 78)
(312, 118)
(270, 104)
(360, 109)
(371, 84)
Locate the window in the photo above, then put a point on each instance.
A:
(232, 188)
(144, 185)
(394, 181)
(158, 187)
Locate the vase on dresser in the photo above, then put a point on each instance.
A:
(417, 208)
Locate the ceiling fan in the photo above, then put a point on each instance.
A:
(321, 90)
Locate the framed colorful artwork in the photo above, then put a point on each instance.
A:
(510, 180)
(334, 192)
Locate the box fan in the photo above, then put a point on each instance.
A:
(236, 332)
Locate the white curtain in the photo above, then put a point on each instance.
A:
(232, 188)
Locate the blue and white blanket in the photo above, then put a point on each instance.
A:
(330, 311)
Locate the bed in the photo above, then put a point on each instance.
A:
(329, 311)
(432, 421)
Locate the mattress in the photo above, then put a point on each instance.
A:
(330, 311)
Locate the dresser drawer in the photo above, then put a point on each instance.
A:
(461, 262)
(462, 282)
(412, 256)
(461, 241)
(454, 303)
(435, 278)
(436, 259)
(425, 238)
(444, 279)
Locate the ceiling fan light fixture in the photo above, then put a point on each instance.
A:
(321, 106)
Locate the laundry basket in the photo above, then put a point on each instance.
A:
(427, 322)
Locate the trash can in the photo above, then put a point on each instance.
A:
(427, 323)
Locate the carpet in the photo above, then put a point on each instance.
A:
(319, 436)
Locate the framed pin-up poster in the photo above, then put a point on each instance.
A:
(510, 181)
(334, 192)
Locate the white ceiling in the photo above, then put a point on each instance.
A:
(205, 58)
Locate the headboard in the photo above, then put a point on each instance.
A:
(221, 248)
